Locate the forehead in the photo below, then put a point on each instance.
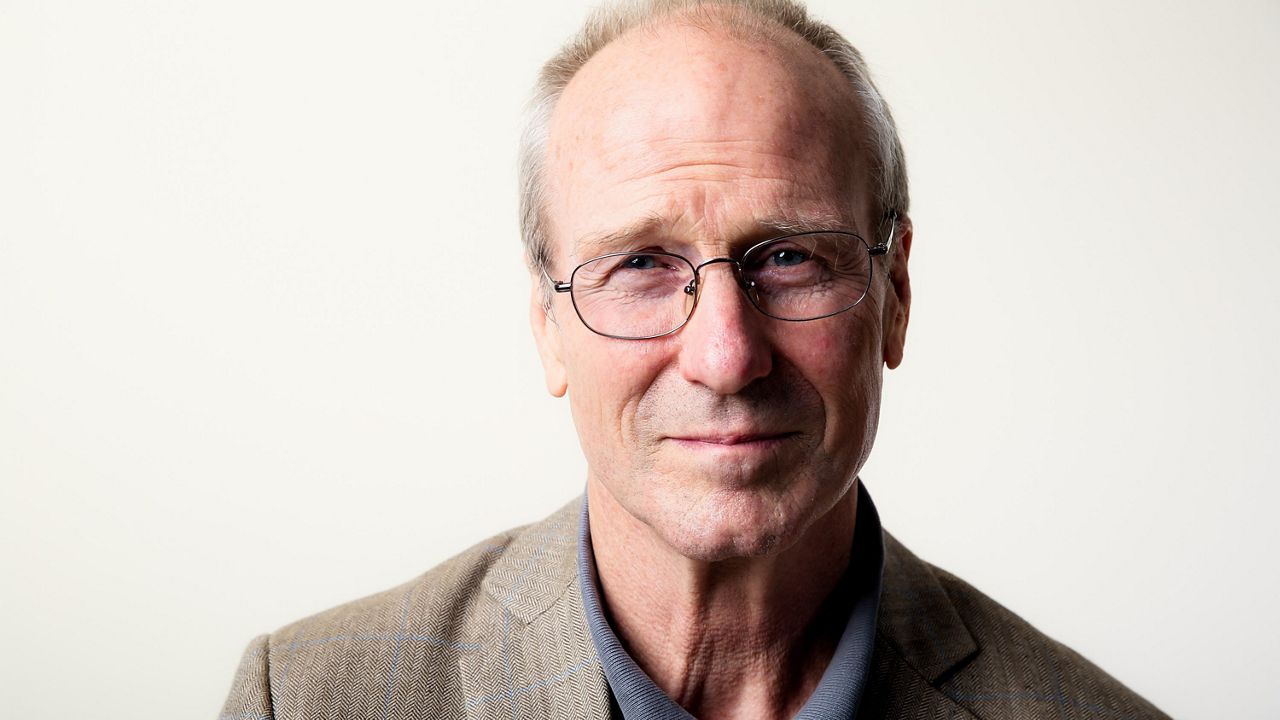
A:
(704, 132)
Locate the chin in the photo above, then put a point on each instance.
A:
(734, 524)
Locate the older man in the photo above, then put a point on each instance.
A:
(715, 212)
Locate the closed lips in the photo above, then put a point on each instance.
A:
(733, 438)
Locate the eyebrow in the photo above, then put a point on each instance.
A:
(652, 225)
(603, 243)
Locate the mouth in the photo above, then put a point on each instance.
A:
(740, 441)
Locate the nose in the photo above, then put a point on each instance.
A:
(724, 346)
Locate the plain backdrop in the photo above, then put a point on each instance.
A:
(264, 348)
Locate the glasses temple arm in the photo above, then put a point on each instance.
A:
(883, 248)
(557, 285)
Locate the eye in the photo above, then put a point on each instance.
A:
(640, 262)
(788, 257)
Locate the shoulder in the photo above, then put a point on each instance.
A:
(427, 642)
(458, 588)
(448, 594)
(992, 661)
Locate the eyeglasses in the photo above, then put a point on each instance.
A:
(644, 295)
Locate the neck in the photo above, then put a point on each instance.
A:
(741, 638)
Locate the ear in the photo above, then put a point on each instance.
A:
(897, 305)
(546, 333)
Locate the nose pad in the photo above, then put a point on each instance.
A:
(693, 290)
(729, 349)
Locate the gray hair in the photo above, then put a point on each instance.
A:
(609, 22)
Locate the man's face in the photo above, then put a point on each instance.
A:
(735, 434)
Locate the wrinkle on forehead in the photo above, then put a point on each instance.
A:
(667, 110)
(655, 227)
(702, 159)
(684, 98)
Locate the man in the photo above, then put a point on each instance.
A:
(715, 212)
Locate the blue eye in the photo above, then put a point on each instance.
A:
(788, 258)
(640, 262)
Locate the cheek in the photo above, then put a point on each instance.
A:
(838, 354)
(607, 379)
(843, 362)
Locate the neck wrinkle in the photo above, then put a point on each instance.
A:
(746, 637)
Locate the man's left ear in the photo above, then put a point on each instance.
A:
(897, 304)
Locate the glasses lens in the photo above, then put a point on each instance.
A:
(633, 295)
(808, 276)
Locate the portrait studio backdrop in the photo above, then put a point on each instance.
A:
(264, 348)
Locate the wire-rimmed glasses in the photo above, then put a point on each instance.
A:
(648, 294)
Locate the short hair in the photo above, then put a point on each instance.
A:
(611, 21)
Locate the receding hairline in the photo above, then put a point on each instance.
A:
(740, 22)
(791, 61)
(784, 47)
(729, 21)
(778, 23)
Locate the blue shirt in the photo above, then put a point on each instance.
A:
(840, 688)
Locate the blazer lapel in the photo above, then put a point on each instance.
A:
(920, 641)
(549, 660)
(917, 616)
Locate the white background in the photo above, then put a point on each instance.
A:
(263, 345)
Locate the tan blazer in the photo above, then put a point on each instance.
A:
(498, 632)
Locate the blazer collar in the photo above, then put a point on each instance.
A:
(538, 566)
(917, 616)
(548, 658)
(537, 571)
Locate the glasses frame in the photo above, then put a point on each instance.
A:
(880, 249)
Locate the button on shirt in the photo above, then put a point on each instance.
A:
(840, 689)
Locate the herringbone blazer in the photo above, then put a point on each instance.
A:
(498, 632)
